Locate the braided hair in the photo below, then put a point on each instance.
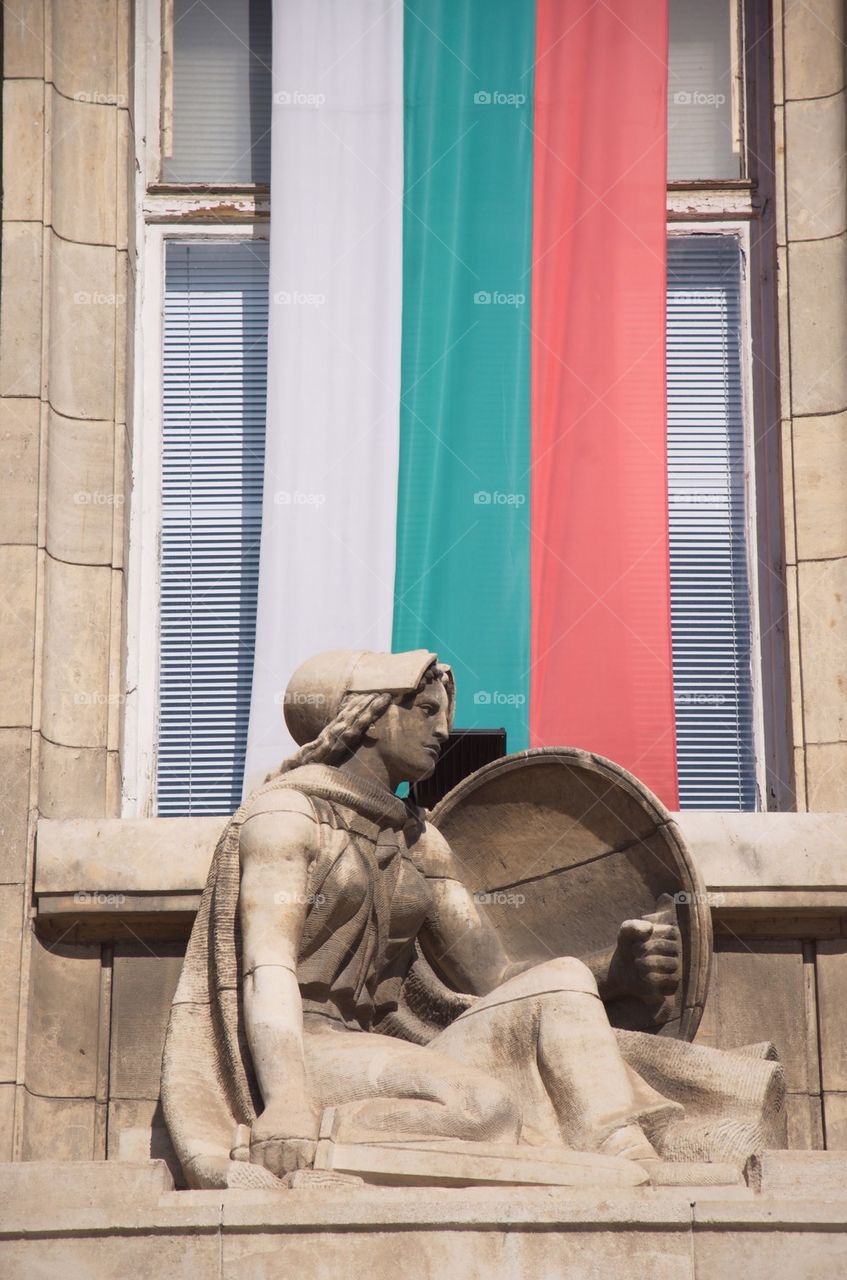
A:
(358, 711)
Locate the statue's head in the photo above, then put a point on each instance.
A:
(398, 705)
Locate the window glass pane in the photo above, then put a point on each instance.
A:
(710, 590)
(217, 103)
(700, 88)
(215, 356)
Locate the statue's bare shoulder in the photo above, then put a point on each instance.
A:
(279, 826)
(433, 856)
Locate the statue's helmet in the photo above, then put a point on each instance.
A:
(318, 686)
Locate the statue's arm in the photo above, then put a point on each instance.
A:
(275, 851)
(457, 938)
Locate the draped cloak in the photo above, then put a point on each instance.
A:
(355, 961)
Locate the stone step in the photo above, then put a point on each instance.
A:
(806, 1174)
(82, 1183)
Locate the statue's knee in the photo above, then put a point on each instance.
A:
(569, 974)
(493, 1113)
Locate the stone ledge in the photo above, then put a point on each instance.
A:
(58, 1218)
(765, 864)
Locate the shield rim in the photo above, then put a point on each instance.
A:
(701, 938)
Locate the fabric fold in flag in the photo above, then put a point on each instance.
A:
(466, 443)
(601, 642)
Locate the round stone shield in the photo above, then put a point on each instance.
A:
(560, 847)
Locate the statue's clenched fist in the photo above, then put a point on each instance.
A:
(647, 961)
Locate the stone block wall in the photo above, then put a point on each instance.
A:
(68, 279)
(811, 180)
(66, 292)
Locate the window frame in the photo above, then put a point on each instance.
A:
(750, 202)
(242, 211)
(739, 230)
(187, 212)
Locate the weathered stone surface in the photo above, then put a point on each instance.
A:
(23, 150)
(77, 624)
(827, 772)
(17, 623)
(20, 310)
(823, 631)
(475, 1255)
(796, 1173)
(7, 1121)
(832, 1012)
(788, 1241)
(835, 1116)
(72, 781)
(19, 449)
(84, 299)
(143, 984)
(84, 157)
(15, 762)
(58, 1128)
(818, 307)
(137, 1133)
(23, 38)
(131, 854)
(816, 141)
(792, 630)
(81, 497)
(820, 461)
(11, 938)
(64, 1020)
(743, 1017)
(86, 33)
(84, 1184)
(804, 1113)
(814, 48)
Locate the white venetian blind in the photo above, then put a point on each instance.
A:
(710, 589)
(215, 373)
(217, 92)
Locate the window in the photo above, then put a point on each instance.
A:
(216, 92)
(213, 437)
(201, 324)
(727, 580)
(712, 616)
(204, 166)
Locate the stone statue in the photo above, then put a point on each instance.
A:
(327, 898)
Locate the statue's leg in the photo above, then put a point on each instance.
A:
(545, 1034)
(383, 1087)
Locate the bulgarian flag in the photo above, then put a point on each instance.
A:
(466, 409)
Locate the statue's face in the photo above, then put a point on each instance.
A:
(409, 735)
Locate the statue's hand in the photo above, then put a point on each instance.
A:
(647, 961)
(284, 1139)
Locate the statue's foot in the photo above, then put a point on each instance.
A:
(629, 1143)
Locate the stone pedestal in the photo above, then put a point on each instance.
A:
(110, 1220)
